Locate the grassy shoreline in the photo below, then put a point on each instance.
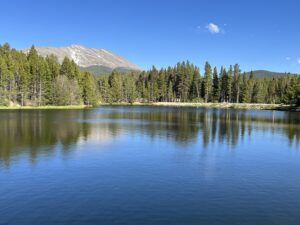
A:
(216, 105)
(171, 104)
(227, 105)
(45, 107)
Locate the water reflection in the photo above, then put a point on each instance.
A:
(35, 132)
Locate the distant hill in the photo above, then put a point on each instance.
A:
(95, 60)
(266, 74)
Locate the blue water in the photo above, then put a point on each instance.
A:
(149, 165)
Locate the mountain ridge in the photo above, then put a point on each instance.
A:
(87, 57)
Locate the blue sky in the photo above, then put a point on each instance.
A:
(255, 34)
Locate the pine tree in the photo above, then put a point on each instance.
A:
(140, 87)
(130, 89)
(115, 83)
(162, 86)
(23, 81)
(236, 84)
(272, 92)
(89, 90)
(229, 84)
(223, 84)
(3, 81)
(152, 85)
(216, 86)
(33, 60)
(207, 82)
(104, 89)
(67, 69)
(194, 90)
(170, 94)
(290, 96)
(246, 94)
(258, 96)
(183, 82)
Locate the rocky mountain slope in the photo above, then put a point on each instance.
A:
(88, 57)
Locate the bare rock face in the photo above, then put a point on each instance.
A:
(86, 57)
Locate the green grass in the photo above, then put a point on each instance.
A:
(170, 104)
(45, 107)
(216, 105)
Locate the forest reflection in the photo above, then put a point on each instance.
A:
(36, 132)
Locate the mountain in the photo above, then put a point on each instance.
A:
(96, 60)
(266, 74)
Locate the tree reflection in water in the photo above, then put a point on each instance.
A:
(36, 132)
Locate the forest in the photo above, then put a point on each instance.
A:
(31, 80)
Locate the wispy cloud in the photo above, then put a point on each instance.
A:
(288, 58)
(299, 60)
(214, 28)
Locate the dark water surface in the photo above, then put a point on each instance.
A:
(149, 165)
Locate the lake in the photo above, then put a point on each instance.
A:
(149, 165)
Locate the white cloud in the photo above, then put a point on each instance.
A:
(214, 28)
(299, 60)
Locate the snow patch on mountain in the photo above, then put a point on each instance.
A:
(86, 57)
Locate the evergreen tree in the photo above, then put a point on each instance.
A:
(67, 68)
(34, 64)
(89, 90)
(258, 95)
(115, 83)
(207, 82)
(3, 81)
(272, 92)
(194, 90)
(236, 84)
(170, 94)
(104, 89)
(229, 84)
(130, 89)
(216, 86)
(162, 86)
(223, 84)
(290, 96)
(247, 93)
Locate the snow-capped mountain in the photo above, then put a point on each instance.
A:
(87, 57)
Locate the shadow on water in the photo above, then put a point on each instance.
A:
(35, 132)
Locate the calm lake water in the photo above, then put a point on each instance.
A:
(149, 165)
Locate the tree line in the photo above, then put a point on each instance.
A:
(29, 79)
(184, 83)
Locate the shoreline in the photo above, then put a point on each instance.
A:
(44, 107)
(257, 106)
(230, 105)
